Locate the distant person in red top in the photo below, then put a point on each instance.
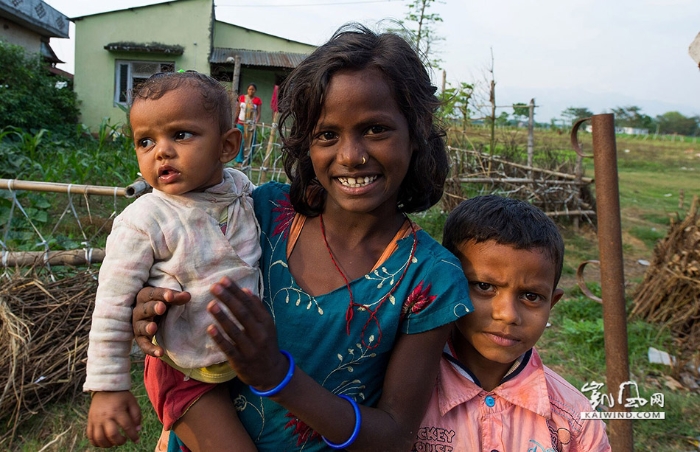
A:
(248, 110)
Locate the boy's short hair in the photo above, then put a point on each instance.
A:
(508, 222)
(215, 97)
(355, 47)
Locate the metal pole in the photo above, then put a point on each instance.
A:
(611, 272)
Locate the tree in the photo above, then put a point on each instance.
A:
(632, 116)
(573, 114)
(521, 111)
(30, 97)
(455, 103)
(675, 122)
(422, 32)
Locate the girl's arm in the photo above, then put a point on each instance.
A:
(254, 354)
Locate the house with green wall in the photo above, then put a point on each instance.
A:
(116, 50)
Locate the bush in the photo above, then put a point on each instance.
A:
(29, 98)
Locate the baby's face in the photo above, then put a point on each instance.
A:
(512, 291)
(179, 145)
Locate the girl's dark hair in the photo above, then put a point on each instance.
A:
(253, 85)
(355, 47)
(508, 222)
(215, 97)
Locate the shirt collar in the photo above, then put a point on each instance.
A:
(524, 384)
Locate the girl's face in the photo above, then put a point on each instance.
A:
(361, 149)
(251, 91)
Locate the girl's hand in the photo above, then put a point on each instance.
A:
(250, 340)
(152, 302)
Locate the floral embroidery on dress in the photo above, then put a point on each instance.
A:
(418, 300)
(284, 212)
(304, 432)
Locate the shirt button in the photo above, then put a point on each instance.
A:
(490, 401)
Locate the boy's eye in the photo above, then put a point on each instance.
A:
(145, 143)
(482, 287)
(532, 297)
(183, 135)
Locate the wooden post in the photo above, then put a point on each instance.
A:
(236, 80)
(578, 171)
(492, 145)
(531, 136)
(270, 145)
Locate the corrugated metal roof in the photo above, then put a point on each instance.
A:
(258, 58)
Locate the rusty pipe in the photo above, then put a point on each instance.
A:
(611, 269)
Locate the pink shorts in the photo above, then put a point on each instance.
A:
(170, 393)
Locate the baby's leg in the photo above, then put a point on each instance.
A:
(212, 424)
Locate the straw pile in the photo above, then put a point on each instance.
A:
(43, 344)
(669, 295)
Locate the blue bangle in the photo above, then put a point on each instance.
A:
(355, 431)
(282, 384)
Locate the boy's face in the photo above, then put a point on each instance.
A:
(512, 291)
(179, 145)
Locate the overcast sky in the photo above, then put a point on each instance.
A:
(597, 54)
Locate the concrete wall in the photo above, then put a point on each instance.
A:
(234, 37)
(21, 36)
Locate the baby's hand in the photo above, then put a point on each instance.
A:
(112, 413)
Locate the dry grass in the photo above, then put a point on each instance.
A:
(44, 327)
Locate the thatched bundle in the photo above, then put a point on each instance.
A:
(669, 295)
(44, 329)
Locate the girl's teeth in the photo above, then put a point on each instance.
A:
(355, 182)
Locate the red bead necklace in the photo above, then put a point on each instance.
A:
(372, 312)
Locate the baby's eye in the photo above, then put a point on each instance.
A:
(182, 135)
(145, 143)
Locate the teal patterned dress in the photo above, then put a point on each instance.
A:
(432, 292)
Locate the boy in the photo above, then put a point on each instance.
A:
(493, 393)
(197, 226)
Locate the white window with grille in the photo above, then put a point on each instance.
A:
(130, 74)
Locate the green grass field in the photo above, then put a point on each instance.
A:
(657, 181)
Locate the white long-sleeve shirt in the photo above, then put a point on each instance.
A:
(174, 242)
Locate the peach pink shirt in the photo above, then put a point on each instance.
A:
(535, 411)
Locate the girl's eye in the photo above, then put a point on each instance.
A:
(183, 135)
(145, 143)
(325, 136)
(373, 130)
